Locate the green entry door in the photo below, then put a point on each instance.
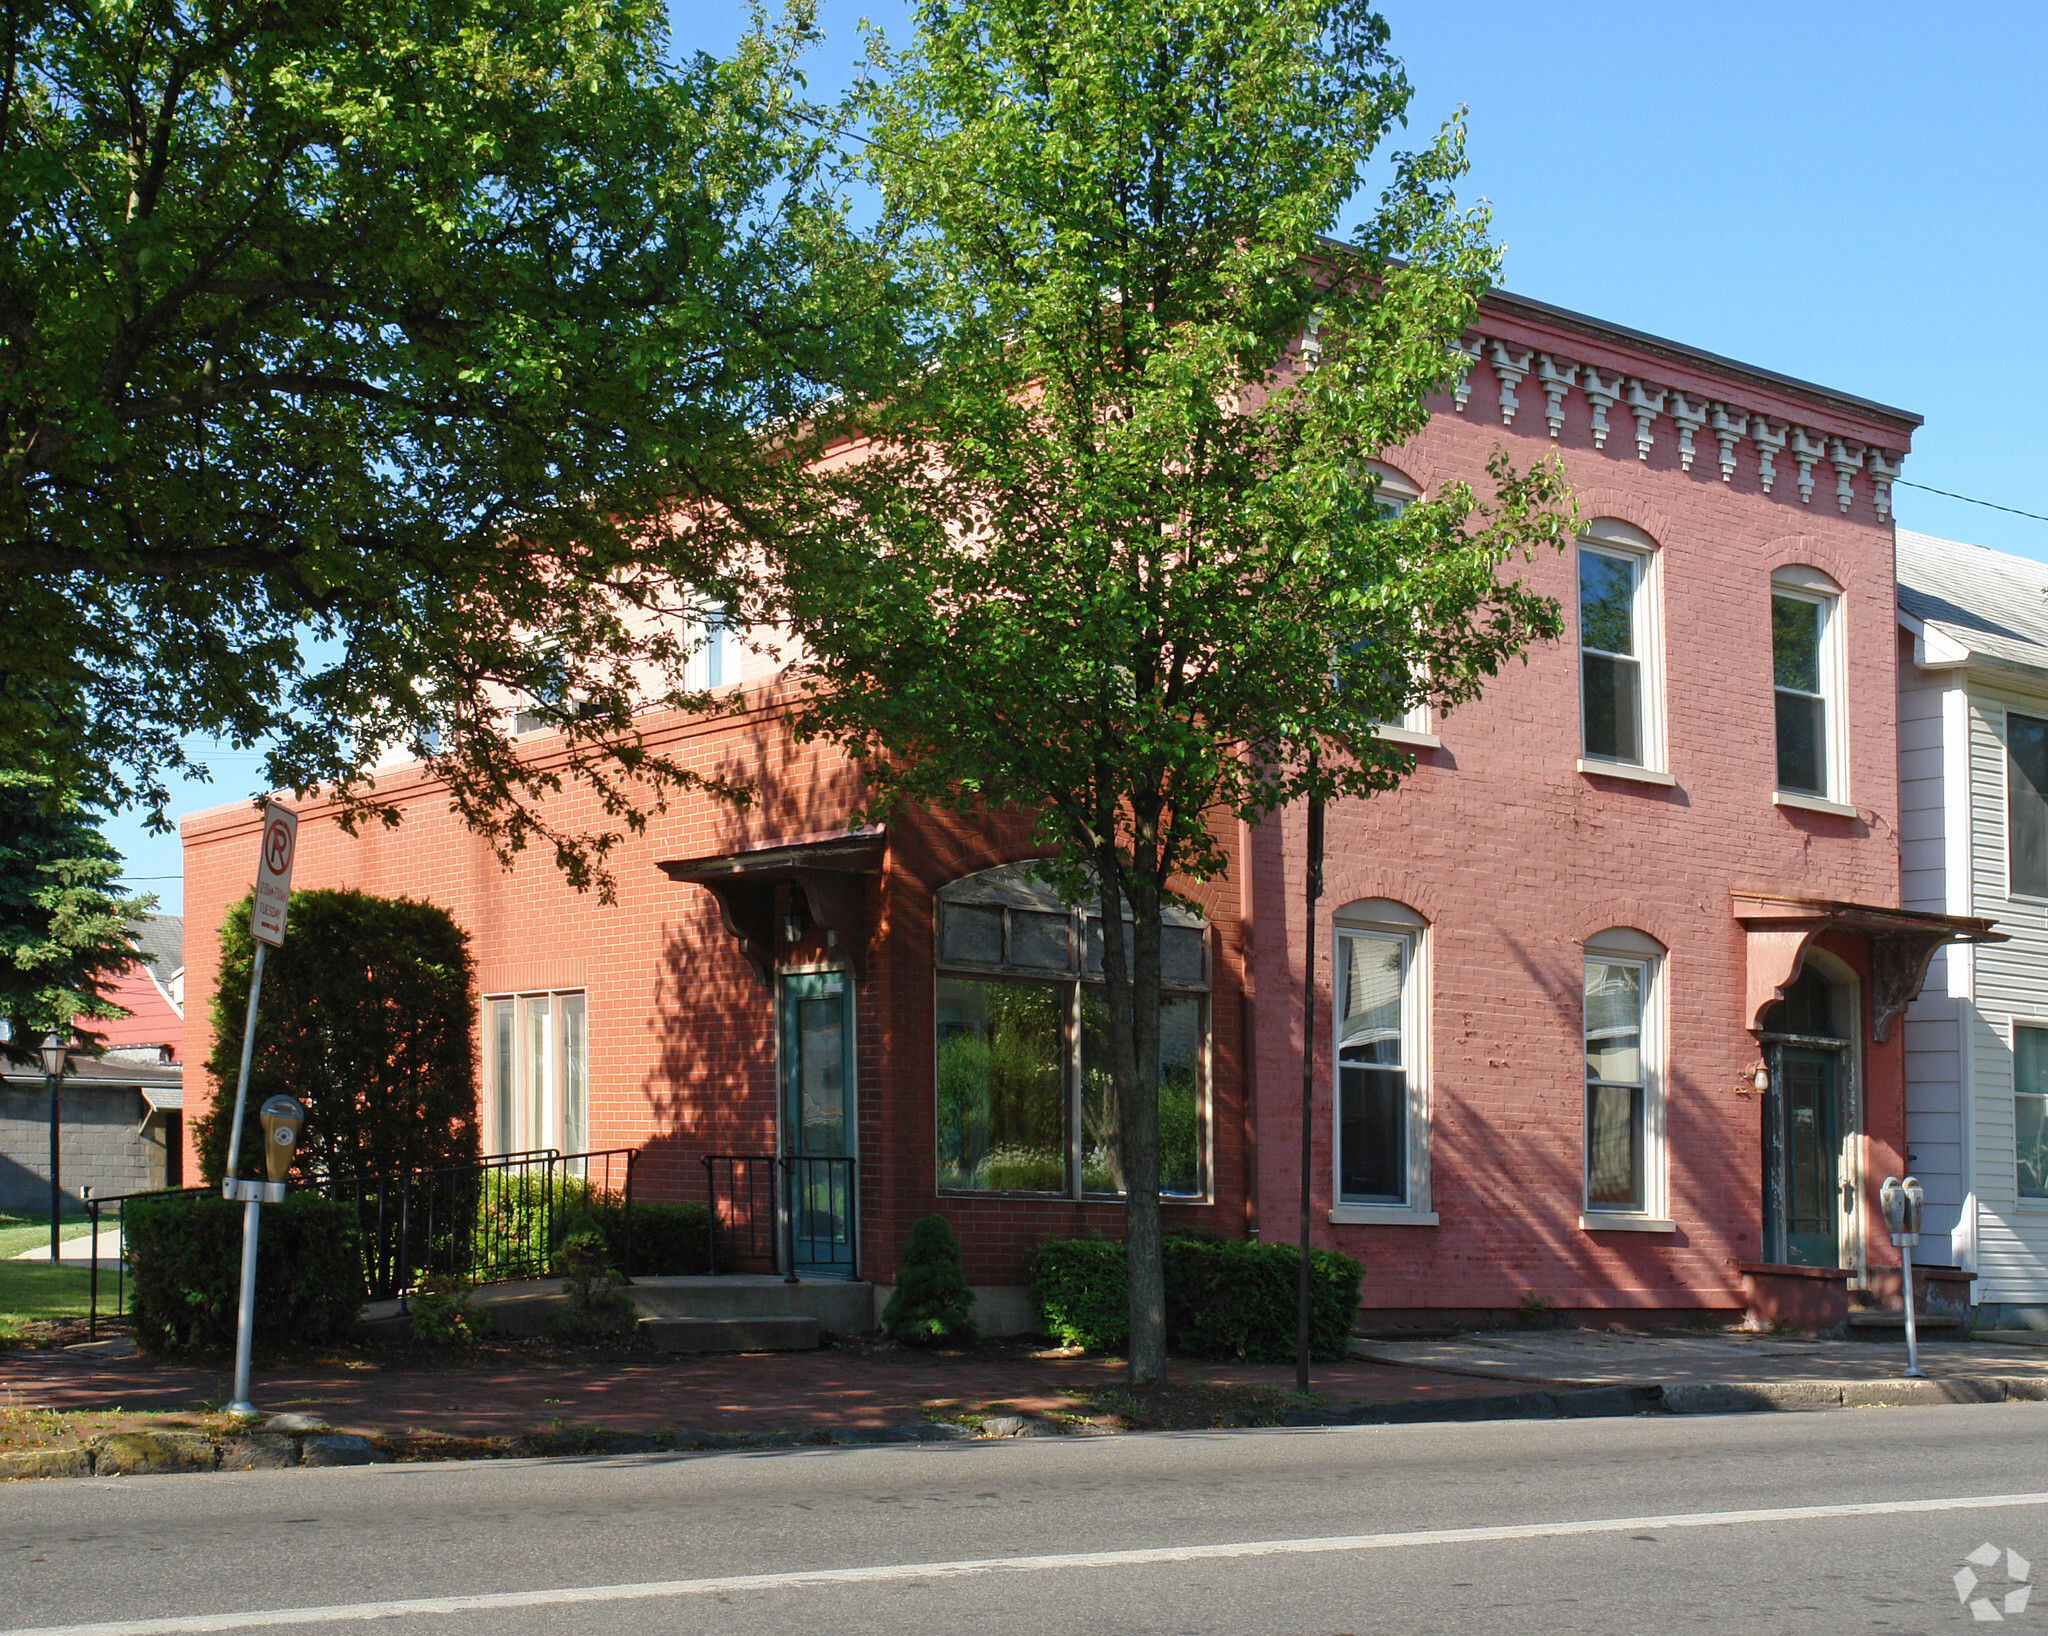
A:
(1811, 1143)
(818, 1132)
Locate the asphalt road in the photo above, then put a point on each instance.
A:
(1630, 1526)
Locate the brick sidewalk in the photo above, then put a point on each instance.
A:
(500, 1396)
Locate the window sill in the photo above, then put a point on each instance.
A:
(1813, 803)
(1599, 1221)
(1409, 737)
(1380, 1215)
(1622, 769)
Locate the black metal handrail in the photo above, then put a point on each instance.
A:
(809, 1202)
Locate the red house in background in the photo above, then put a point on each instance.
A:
(1605, 997)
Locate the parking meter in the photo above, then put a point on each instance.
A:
(283, 1118)
(1902, 1201)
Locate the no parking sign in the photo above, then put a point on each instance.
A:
(274, 875)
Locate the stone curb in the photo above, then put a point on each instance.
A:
(158, 1453)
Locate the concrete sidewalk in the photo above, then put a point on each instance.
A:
(1684, 1362)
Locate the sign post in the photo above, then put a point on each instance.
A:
(266, 924)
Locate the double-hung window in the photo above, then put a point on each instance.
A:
(537, 1068)
(1393, 495)
(1807, 683)
(1620, 697)
(1025, 1099)
(1380, 1095)
(2026, 806)
(1624, 1115)
(2030, 1110)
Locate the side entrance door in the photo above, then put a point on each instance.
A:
(1810, 1142)
(818, 1129)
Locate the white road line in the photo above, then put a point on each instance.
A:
(888, 1573)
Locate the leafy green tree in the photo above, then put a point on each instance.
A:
(1116, 552)
(64, 925)
(368, 1016)
(354, 356)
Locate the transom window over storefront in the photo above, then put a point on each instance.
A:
(1024, 1098)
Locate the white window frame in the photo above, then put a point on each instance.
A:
(2030, 1202)
(553, 1132)
(1396, 493)
(1620, 946)
(1811, 585)
(713, 661)
(2004, 730)
(1610, 537)
(1382, 920)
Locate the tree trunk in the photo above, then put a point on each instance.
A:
(1132, 982)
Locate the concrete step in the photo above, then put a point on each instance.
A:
(1883, 1322)
(839, 1306)
(787, 1333)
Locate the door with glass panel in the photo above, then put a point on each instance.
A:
(818, 1131)
(1810, 1145)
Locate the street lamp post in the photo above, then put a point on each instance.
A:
(55, 1050)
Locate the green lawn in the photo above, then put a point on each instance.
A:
(18, 1233)
(30, 1290)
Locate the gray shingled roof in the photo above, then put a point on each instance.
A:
(162, 941)
(1992, 604)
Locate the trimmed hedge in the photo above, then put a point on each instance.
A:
(931, 1303)
(1225, 1298)
(186, 1255)
(667, 1238)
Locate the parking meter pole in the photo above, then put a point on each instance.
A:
(245, 1317)
(1913, 1370)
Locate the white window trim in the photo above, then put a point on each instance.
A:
(552, 1134)
(1806, 585)
(1397, 492)
(2003, 730)
(1414, 737)
(1610, 538)
(1412, 934)
(1632, 949)
(2013, 1024)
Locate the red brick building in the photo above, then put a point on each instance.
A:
(1614, 815)
(1608, 993)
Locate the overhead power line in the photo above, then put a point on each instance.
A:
(1970, 500)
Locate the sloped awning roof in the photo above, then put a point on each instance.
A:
(1902, 943)
(831, 873)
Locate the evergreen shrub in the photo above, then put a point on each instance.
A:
(1225, 1298)
(186, 1257)
(932, 1301)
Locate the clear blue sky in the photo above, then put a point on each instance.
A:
(1851, 194)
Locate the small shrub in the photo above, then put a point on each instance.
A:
(1536, 1310)
(442, 1316)
(186, 1255)
(931, 1302)
(1225, 1298)
(1080, 1291)
(667, 1238)
(597, 1304)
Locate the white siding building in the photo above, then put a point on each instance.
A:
(1973, 781)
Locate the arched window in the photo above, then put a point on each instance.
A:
(1622, 1028)
(1621, 688)
(1025, 1100)
(1380, 1061)
(1808, 680)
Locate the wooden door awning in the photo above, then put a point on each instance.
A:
(1902, 943)
(831, 873)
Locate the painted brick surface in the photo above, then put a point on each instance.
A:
(1514, 858)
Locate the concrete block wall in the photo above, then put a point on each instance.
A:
(99, 1146)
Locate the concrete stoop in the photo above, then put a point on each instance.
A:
(785, 1333)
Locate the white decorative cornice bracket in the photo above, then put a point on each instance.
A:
(1769, 438)
(1557, 376)
(1688, 417)
(1883, 467)
(1847, 459)
(1467, 348)
(1730, 426)
(1807, 449)
(1508, 369)
(1603, 392)
(1646, 403)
